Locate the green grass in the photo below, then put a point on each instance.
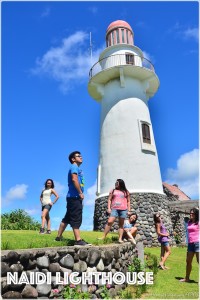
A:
(25, 239)
(166, 282)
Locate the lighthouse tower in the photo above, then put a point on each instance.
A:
(123, 81)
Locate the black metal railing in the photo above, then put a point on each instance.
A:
(120, 60)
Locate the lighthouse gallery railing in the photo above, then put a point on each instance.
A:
(120, 60)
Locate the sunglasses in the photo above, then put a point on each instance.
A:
(78, 156)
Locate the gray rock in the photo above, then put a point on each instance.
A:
(24, 257)
(100, 266)
(17, 268)
(4, 285)
(80, 266)
(54, 267)
(12, 295)
(42, 262)
(39, 253)
(93, 257)
(12, 257)
(29, 292)
(51, 254)
(65, 271)
(83, 254)
(43, 289)
(4, 269)
(31, 265)
(67, 261)
(108, 257)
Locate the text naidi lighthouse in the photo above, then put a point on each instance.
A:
(85, 278)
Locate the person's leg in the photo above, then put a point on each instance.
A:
(189, 259)
(121, 229)
(48, 221)
(162, 252)
(167, 252)
(133, 231)
(108, 226)
(61, 229)
(77, 234)
(44, 214)
(197, 257)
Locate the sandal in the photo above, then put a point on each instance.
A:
(184, 280)
(161, 267)
(48, 232)
(120, 242)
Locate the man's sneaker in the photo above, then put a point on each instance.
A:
(81, 243)
(58, 239)
(48, 232)
(41, 231)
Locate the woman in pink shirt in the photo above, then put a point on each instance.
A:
(193, 242)
(118, 206)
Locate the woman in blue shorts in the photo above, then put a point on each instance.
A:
(163, 238)
(118, 206)
(193, 242)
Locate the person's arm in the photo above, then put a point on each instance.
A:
(129, 204)
(77, 185)
(41, 197)
(56, 195)
(158, 230)
(109, 202)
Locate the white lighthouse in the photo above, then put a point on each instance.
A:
(123, 80)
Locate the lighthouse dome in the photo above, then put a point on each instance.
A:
(119, 32)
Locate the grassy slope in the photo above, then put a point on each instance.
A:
(24, 239)
(167, 285)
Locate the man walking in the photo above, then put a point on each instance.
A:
(75, 198)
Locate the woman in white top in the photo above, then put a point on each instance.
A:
(46, 202)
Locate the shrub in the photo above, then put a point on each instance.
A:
(18, 220)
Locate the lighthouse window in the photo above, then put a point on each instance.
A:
(130, 59)
(122, 35)
(117, 36)
(146, 134)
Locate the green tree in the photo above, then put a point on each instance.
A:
(18, 219)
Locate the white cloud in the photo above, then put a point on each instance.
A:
(186, 174)
(60, 188)
(34, 211)
(191, 33)
(93, 9)
(90, 195)
(46, 12)
(69, 63)
(18, 191)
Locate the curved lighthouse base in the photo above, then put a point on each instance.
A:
(145, 205)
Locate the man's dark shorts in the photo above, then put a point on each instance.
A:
(73, 215)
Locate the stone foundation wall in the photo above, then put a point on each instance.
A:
(64, 260)
(145, 205)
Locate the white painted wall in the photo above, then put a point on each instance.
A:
(121, 152)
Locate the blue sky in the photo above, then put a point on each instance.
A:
(46, 109)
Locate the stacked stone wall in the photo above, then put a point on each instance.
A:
(145, 205)
(64, 260)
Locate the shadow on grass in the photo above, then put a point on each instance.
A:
(191, 281)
